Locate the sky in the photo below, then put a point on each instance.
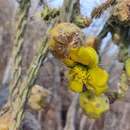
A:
(86, 8)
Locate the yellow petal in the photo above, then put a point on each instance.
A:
(94, 106)
(97, 78)
(86, 56)
(75, 86)
(78, 72)
(77, 77)
(73, 53)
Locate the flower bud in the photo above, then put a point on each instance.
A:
(94, 106)
(38, 97)
(63, 37)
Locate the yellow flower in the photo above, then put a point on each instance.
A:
(85, 56)
(94, 79)
(94, 106)
(127, 66)
(77, 78)
(78, 72)
(76, 86)
(97, 79)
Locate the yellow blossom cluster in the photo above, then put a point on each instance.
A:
(84, 74)
(90, 80)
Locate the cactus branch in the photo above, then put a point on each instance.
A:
(26, 85)
(22, 15)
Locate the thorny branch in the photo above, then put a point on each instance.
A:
(28, 82)
(21, 23)
(26, 85)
